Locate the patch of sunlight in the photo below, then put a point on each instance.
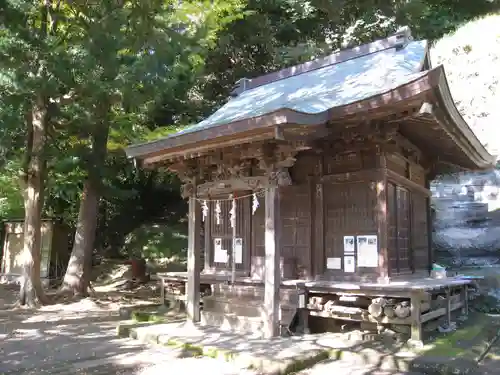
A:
(95, 335)
(28, 333)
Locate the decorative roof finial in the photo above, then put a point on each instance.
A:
(240, 86)
(403, 37)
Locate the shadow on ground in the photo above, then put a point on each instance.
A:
(81, 340)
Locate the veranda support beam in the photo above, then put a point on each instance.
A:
(193, 262)
(272, 263)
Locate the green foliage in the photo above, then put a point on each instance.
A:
(157, 241)
(11, 201)
(431, 19)
(137, 71)
(102, 68)
(133, 197)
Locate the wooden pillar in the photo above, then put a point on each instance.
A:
(162, 291)
(416, 313)
(465, 299)
(448, 307)
(319, 232)
(208, 238)
(193, 262)
(381, 213)
(428, 201)
(272, 263)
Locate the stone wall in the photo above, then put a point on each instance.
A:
(467, 218)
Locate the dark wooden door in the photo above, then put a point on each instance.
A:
(398, 207)
(295, 215)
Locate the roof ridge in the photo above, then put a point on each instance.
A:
(398, 40)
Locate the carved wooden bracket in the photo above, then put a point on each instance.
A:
(275, 163)
(189, 174)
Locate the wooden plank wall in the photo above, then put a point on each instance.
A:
(317, 211)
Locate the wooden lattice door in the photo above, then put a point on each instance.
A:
(222, 230)
(398, 207)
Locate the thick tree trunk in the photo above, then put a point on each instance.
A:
(32, 180)
(77, 275)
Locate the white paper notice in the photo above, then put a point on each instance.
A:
(238, 250)
(367, 251)
(220, 256)
(349, 245)
(334, 263)
(349, 264)
(217, 244)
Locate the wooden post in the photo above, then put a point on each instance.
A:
(193, 262)
(319, 232)
(272, 263)
(465, 298)
(381, 219)
(208, 238)
(448, 307)
(416, 325)
(162, 291)
(430, 253)
(234, 234)
(304, 311)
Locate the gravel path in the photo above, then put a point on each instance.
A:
(81, 339)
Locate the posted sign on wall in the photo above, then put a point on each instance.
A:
(367, 247)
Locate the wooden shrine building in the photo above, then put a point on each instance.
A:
(318, 175)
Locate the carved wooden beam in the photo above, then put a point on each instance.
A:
(235, 184)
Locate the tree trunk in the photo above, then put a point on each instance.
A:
(33, 179)
(77, 275)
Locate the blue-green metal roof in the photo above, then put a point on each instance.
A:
(319, 90)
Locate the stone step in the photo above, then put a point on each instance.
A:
(232, 322)
(248, 308)
(244, 291)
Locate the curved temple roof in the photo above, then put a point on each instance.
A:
(310, 94)
(319, 90)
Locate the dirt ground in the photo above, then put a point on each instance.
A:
(79, 335)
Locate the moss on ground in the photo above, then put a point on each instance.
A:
(147, 316)
(469, 341)
(144, 316)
